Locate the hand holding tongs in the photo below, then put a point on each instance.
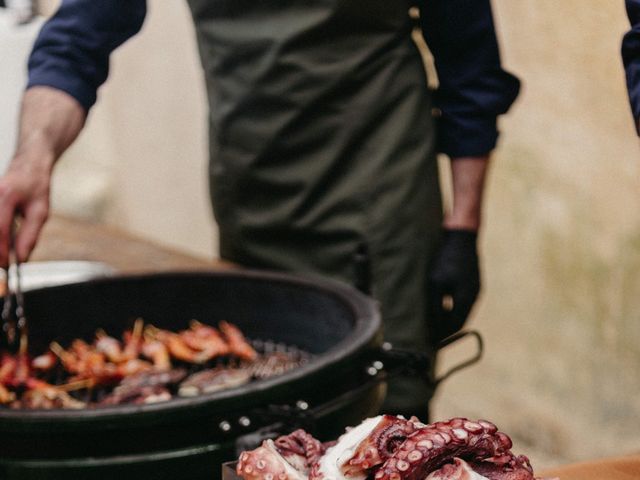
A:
(14, 323)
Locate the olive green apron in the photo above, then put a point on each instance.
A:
(322, 143)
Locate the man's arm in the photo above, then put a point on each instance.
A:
(473, 88)
(73, 48)
(70, 60)
(468, 174)
(473, 91)
(454, 275)
(631, 58)
(50, 121)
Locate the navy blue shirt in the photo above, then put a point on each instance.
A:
(631, 57)
(73, 48)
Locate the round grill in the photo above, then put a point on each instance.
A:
(334, 324)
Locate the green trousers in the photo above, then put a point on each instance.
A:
(322, 144)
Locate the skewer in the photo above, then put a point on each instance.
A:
(77, 385)
(57, 349)
(138, 328)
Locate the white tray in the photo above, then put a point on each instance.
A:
(45, 274)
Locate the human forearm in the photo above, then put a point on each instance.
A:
(454, 274)
(50, 121)
(468, 177)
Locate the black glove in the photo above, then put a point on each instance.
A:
(453, 283)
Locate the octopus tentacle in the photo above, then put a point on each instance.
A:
(289, 457)
(380, 444)
(458, 470)
(428, 448)
(511, 468)
(461, 470)
(362, 448)
(266, 463)
(300, 449)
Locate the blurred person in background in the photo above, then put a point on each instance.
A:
(323, 143)
(631, 58)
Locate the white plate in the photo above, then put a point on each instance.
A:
(46, 274)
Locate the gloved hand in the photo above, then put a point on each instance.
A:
(453, 283)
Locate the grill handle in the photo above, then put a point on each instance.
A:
(383, 364)
(466, 363)
(411, 362)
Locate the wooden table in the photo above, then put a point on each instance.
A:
(68, 239)
(620, 468)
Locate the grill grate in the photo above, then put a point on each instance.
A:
(182, 380)
(276, 358)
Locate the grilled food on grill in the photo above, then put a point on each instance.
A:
(391, 448)
(149, 365)
(213, 380)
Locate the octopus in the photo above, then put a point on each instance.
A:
(390, 447)
(461, 470)
(363, 448)
(290, 457)
(301, 450)
(433, 446)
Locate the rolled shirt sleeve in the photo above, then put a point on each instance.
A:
(72, 50)
(631, 58)
(473, 88)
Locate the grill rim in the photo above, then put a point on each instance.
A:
(365, 334)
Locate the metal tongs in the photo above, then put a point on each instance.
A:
(14, 322)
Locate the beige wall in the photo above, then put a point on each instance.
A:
(560, 309)
(561, 303)
(141, 162)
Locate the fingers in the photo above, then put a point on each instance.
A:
(441, 306)
(453, 287)
(22, 195)
(7, 213)
(463, 302)
(35, 217)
